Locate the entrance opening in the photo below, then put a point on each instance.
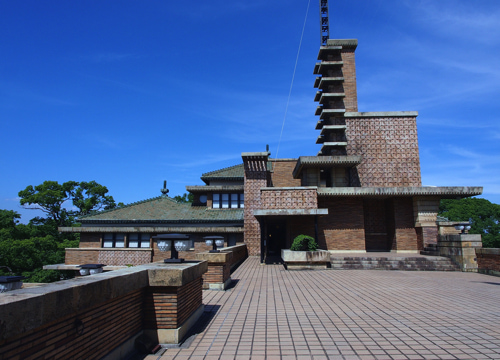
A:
(376, 225)
(275, 240)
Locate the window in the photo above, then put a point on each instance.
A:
(113, 240)
(234, 201)
(225, 201)
(216, 201)
(138, 240)
(117, 240)
(228, 201)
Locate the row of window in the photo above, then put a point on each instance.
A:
(228, 201)
(135, 240)
(117, 240)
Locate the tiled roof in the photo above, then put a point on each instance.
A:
(235, 172)
(164, 210)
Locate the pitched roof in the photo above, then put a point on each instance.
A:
(165, 210)
(236, 172)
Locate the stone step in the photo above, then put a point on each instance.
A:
(429, 252)
(429, 263)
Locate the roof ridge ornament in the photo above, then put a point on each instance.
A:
(164, 191)
(324, 22)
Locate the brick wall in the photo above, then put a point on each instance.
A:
(405, 234)
(105, 326)
(430, 236)
(343, 227)
(389, 147)
(79, 257)
(349, 73)
(289, 199)
(488, 261)
(282, 173)
(167, 307)
(90, 240)
(303, 225)
(217, 273)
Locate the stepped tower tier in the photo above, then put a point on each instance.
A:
(337, 93)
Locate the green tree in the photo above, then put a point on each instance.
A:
(185, 198)
(49, 197)
(90, 197)
(483, 215)
(28, 256)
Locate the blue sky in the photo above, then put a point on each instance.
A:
(129, 93)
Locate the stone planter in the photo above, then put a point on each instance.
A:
(299, 260)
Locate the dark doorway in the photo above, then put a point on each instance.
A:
(376, 225)
(275, 240)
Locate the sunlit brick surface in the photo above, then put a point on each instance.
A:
(272, 313)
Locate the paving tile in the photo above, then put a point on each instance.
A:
(355, 314)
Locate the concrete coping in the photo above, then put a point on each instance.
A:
(46, 303)
(77, 267)
(156, 229)
(488, 251)
(289, 188)
(290, 212)
(443, 191)
(459, 238)
(382, 114)
(204, 188)
(109, 249)
(220, 257)
(255, 154)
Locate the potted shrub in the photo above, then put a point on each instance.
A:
(304, 254)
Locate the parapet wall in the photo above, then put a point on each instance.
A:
(289, 198)
(112, 256)
(488, 261)
(91, 317)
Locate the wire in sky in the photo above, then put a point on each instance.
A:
(293, 77)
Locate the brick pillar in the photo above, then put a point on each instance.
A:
(256, 177)
(349, 72)
(425, 210)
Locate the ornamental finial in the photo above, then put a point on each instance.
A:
(164, 191)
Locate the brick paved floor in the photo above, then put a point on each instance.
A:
(272, 313)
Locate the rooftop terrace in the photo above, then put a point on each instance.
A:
(272, 313)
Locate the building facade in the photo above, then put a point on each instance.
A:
(362, 192)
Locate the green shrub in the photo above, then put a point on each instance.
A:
(304, 243)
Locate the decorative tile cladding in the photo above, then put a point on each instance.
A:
(289, 199)
(119, 257)
(256, 177)
(389, 147)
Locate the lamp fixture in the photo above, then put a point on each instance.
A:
(180, 243)
(215, 242)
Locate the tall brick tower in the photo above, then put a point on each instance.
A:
(337, 93)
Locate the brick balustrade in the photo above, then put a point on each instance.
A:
(220, 265)
(100, 315)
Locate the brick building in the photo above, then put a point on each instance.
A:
(362, 191)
